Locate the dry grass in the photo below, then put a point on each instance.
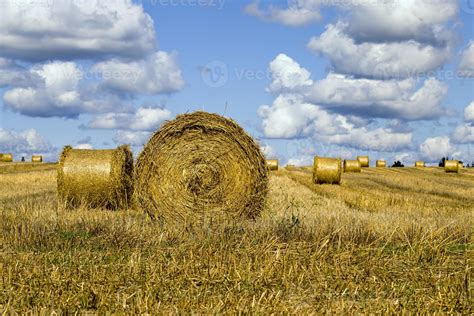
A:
(385, 240)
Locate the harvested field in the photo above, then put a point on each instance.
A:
(385, 240)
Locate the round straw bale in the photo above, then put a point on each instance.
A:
(6, 158)
(451, 166)
(272, 164)
(364, 161)
(352, 166)
(36, 158)
(420, 164)
(201, 165)
(327, 170)
(95, 178)
(381, 163)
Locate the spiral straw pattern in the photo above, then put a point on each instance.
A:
(201, 164)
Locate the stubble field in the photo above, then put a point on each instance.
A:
(386, 240)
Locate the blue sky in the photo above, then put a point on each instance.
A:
(335, 78)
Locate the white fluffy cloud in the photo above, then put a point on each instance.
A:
(158, 73)
(289, 117)
(298, 13)
(68, 29)
(55, 90)
(400, 99)
(469, 113)
(401, 20)
(268, 151)
(144, 119)
(377, 60)
(433, 149)
(26, 142)
(84, 146)
(466, 66)
(288, 74)
(463, 134)
(133, 138)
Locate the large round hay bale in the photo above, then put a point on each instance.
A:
(364, 161)
(6, 158)
(201, 165)
(381, 163)
(352, 166)
(327, 170)
(272, 164)
(36, 158)
(451, 166)
(419, 164)
(95, 178)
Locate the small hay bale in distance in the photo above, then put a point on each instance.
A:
(352, 166)
(381, 163)
(95, 178)
(419, 164)
(451, 166)
(364, 161)
(6, 158)
(327, 170)
(272, 164)
(201, 165)
(36, 158)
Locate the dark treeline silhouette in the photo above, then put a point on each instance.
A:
(398, 164)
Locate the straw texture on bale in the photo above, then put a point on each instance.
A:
(95, 178)
(6, 157)
(364, 161)
(272, 164)
(36, 158)
(420, 164)
(327, 170)
(198, 166)
(451, 166)
(352, 166)
(381, 163)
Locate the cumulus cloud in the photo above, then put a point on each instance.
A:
(469, 113)
(377, 60)
(298, 13)
(466, 66)
(463, 134)
(400, 99)
(26, 142)
(47, 30)
(397, 21)
(55, 90)
(268, 151)
(287, 74)
(132, 138)
(289, 117)
(84, 146)
(144, 119)
(158, 73)
(370, 98)
(434, 148)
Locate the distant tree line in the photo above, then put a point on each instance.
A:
(399, 164)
